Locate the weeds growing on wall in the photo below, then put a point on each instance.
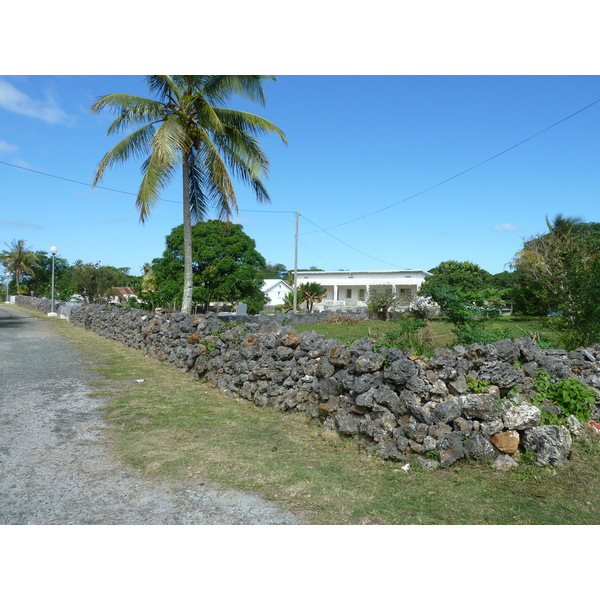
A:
(570, 395)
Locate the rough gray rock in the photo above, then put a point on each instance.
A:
(523, 416)
(551, 444)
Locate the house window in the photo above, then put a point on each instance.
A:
(348, 293)
(361, 294)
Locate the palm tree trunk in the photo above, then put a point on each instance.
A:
(188, 276)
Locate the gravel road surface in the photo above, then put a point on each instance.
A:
(54, 464)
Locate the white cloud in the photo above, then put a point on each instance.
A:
(6, 148)
(47, 110)
(506, 227)
(24, 224)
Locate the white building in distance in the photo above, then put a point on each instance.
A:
(351, 288)
(275, 290)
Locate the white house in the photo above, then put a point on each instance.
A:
(276, 289)
(351, 288)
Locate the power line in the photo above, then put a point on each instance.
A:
(461, 173)
(349, 246)
(122, 191)
(78, 182)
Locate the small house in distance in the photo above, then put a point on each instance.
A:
(121, 295)
(351, 288)
(276, 290)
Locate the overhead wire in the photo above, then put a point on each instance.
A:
(479, 164)
(100, 187)
(350, 246)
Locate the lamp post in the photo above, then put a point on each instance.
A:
(53, 251)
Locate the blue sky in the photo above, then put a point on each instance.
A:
(363, 154)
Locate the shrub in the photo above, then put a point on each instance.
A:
(570, 395)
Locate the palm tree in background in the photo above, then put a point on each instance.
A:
(18, 260)
(311, 292)
(563, 225)
(189, 126)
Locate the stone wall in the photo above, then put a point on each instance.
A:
(395, 405)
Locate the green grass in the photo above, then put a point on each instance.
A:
(437, 334)
(172, 426)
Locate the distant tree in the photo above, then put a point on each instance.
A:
(187, 126)
(468, 324)
(380, 299)
(276, 271)
(309, 293)
(470, 282)
(94, 282)
(225, 264)
(18, 260)
(148, 278)
(564, 264)
(40, 282)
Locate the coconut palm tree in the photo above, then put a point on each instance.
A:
(18, 260)
(189, 126)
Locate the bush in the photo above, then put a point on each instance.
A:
(570, 395)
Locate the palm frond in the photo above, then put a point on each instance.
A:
(166, 87)
(156, 176)
(171, 141)
(249, 122)
(217, 182)
(135, 144)
(219, 88)
(132, 110)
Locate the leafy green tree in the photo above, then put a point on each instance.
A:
(40, 282)
(469, 325)
(565, 266)
(225, 264)
(276, 271)
(472, 283)
(95, 282)
(189, 126)
(18, 260)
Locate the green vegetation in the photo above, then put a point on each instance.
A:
(188, 127)
(225, 264)
(310, 292)
(381, 299)
(18, 260)
(563, 268)
(476, 385)
(423, 337)
(570, 395)
(93, 281)
(172, 426)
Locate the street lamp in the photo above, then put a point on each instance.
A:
(53, 251)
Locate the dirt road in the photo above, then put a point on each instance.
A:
(55, 467)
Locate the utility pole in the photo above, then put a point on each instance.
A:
(296, 267)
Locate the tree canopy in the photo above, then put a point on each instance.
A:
(468, 280)
(563, 265)
(225, 263)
